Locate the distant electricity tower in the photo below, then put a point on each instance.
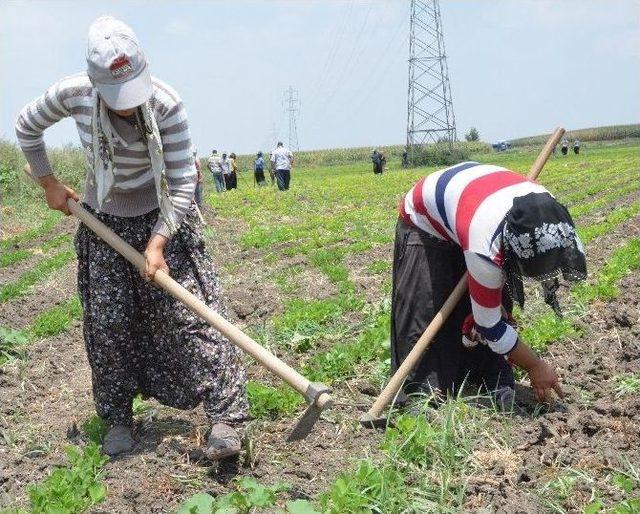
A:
(430, 109)
(291, 104)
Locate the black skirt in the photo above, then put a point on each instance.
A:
(425, 272)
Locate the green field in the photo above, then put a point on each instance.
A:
(309, 270)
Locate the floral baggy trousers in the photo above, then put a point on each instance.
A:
(141, 340)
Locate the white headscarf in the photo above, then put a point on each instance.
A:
(103, 171)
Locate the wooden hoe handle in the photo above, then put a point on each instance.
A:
(396, 381)
(199, 308)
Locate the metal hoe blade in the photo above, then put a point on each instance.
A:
(308, 420)
(305, 423)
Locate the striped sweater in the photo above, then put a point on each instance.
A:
(134, 191)
(467, 204)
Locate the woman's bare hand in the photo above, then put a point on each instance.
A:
(154, 257)
(543, 377)
(57, 194)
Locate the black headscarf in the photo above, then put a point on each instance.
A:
(540, 242)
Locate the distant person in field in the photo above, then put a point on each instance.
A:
(576, 146)
(225, 164)
(500, 227)
(258, 170)
(232, 181)
(215, 167)
(272, 171)
(135, 134)
(405, 158)
(200, 179)
(282, 160)
(376, 159)
(564, 148)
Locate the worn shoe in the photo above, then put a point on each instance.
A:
(118, 440)
(223, 442)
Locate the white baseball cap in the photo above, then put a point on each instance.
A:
(116, 64)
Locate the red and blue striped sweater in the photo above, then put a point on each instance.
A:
(467, 204)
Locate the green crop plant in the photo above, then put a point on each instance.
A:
(73, 488)
(40, 272)
(577, 211)
(369, 487)
(622, 261)
(611, 221)
(249, 496)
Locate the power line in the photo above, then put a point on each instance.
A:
(429, 106)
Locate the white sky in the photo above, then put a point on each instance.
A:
(517, 67)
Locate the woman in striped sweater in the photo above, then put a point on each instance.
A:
(140, 182)
(498, 226)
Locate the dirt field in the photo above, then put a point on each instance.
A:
(559, 458)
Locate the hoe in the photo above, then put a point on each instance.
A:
(316, 394)
(374, 417)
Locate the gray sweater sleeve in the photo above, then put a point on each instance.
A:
(33, 120)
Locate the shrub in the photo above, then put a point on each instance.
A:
(472, 135)
(439, 154)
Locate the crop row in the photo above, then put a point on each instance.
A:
(610, 133)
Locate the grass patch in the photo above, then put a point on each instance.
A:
(40, 272)
(379, 267)
(57, 319)
(423, 461)
(9, 258)
(266, 402)
(545, 328)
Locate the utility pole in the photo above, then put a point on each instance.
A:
(291, 104)
(430, 116)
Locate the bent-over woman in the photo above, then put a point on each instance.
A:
(140, 182)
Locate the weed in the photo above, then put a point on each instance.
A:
(9, 258)
(95, 429)
(56, 319)
(627, 384)
(11, 344)
(269, 402)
